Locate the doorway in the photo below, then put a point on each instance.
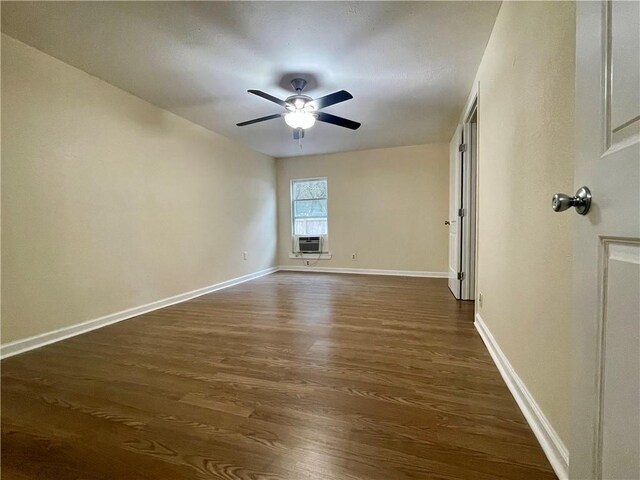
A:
(463, 205)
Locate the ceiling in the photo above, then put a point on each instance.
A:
(409, 65)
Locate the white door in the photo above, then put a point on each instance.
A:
(455, 197)
(606, 414)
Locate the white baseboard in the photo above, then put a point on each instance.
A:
(26, 344)
(550, 442)
(363, 271)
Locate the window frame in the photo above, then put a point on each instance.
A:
(292, 203)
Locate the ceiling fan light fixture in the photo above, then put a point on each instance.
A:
(300, 119)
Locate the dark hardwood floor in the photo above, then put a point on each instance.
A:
(291, 376)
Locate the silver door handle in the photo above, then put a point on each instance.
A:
(581, 201)
(447, 222)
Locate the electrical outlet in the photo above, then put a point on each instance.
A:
(480, 299)
(245, 255)
(354, 256)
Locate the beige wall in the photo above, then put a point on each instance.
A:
(526, 154)
(387, 205)
(110, 203)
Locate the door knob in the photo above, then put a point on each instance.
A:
(581, 202)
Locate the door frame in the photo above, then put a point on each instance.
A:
(469, 222)
(463, 200)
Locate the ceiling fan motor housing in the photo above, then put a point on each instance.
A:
(298, 84)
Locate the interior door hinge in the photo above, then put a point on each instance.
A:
(460, 275)
(461, 212)
(462, 147)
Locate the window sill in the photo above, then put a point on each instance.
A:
(311, 256)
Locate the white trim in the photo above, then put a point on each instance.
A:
(550, 442)
(471, 99)
(468, 224)
(363, 271)
(26, 344)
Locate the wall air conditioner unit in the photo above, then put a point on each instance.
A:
(309, 244)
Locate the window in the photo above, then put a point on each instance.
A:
(309, 206)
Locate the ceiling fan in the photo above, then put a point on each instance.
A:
(302, 111)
